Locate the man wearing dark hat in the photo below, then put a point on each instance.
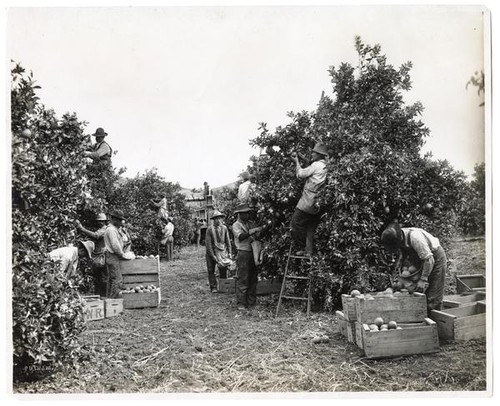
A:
(415, 245)
(98, 258)
(101, 149)
(218, 247)
(307, 213)
(113, 241)
(245, 232)
(68, 257)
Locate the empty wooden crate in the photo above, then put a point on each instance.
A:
(461, 323)
(141, 272)
(463, 299)
(465, 283)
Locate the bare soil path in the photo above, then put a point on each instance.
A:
(197, 341)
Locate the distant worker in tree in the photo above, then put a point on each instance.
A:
(168, 237)
(206, 189)
(101, 150)
(307, 214)
(67, 257)
(98, 258)
(246, 190)
(416, 246)
(162, 206)
(113, 240)
(218, 249)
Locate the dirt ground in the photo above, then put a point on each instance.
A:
(197, 341)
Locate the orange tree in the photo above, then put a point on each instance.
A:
(48, 185)
(133, 197)
(376, 175)
(472, 214)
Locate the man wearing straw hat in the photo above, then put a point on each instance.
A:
(218, 248)
(307, 213)
(419, 246)
(113, 240)
(245, 232)
(98, 258)
(101, 150)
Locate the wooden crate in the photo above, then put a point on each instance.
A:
(461, 323)
(465, 283)
(450, 301)
(402, 309)
(113, 307)
(268, 286)
(226, 285)
(351, 332)
(342, 322)
(349, 307)
(142, 271)
(412, 339)
(93, 308)
(358, 332)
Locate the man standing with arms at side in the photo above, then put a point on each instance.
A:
(168, 238)
(218, 246)
(113, 241)
(244, 232)
(307, 213)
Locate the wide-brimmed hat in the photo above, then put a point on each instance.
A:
(243, 208)
(216, 214)
(89, 247)
(392, 237)
(101, 217)
(117, 214)
(100, 133)
(321, 149)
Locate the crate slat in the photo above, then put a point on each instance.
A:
(141, 279)
(141, 300)
(401, 309)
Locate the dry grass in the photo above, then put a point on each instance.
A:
(197, 341)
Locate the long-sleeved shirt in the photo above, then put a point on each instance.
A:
(423, 243)
(245, 190)
(113, 240)
(102, 150)
(67, 257)
(315, 175)
(98, 237)
(239, 228)
(222, 236)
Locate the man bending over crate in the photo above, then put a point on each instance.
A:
(414, 245)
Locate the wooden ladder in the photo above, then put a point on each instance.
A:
(286, 277)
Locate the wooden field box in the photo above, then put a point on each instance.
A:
(349, 307)
(358, 334)
(461, 323)
(466, 283)
(93, 308)
(268, 286)
(113, 307)
(464, 299)
(411, 339)
(407, 308)
(346, 327)
(226, 285)
(141, 271)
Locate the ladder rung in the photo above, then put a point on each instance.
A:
(294, 297)
(296, 277)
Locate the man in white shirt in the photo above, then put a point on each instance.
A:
(307, 214)
(168, 237)
(246, 189)
(101, 149)
(162, 206)
(418, 246)
(68, 257)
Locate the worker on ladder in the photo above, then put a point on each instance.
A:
(307, 214)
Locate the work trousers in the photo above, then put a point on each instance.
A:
(435, 290)
(169, 248)
(113, 268)
(100, 279)
(303, 226)
(211, 264)
(246, 286)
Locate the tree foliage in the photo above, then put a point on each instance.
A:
(473, 211)
(376, 175)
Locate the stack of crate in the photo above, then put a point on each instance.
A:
(417, 333)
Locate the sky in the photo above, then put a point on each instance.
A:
(184, 89)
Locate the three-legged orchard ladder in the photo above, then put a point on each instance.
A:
(291, 275)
